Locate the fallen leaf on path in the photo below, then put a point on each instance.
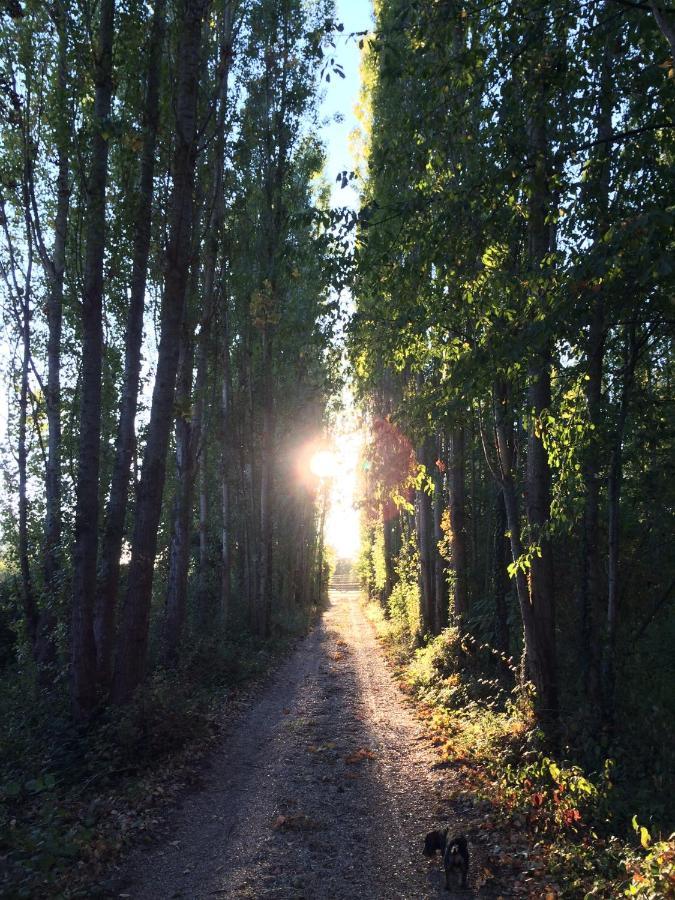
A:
(299, 822)
(359, 755)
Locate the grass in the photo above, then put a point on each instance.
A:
(477, 714)
(72, 799)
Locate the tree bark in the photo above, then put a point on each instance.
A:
(614, 484)
(54, 271)
(665, 25)
(224, 460)
(591, 606)
(505, 476)
(132, 650)
(83, 648)
(538, 486)
(425, 525)
(109, 574)
(24, 315)
(538, 503)
(500, 577)
(179, 550)
(458, 526)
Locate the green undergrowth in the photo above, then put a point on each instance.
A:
(480, 717)
(71, 799)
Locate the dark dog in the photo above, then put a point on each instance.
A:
(455, 854)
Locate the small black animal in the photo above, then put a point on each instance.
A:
(455, 854)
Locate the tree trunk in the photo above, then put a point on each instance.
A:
(538, 487)
(213, 291)
(500, 578)
(27, 594)
(440, 580)
(133, 643)
(45, 649)
(205, 605)
(425, 525)
(225, 450)
(665, 25)
(179, 551)
(263, 603)
(614, 483)
(458, 527)
(591, 607)
(504, 440)
(109, 574)
(538, 502)
(83, 648)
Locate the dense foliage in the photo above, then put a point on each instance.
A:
(513, 348)
(165, 276)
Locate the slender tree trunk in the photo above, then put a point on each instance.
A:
(425, 525)
(591, 606)
(133, 643)
(504, 440)
(83, 648)
(204, 590)
(500, 579)
(225, 451)
(458, 526)
(440, 580)
(263, 605)
(538, 501)
(665, 24)
(179, 551)
(392, 543)
(538, 488)
(213, 291)
(109, 574)
(614, 484)
(46, 651)
(27, 594)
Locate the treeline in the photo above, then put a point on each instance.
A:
(165, 272)
(513, 346)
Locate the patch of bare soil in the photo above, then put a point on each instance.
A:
(323, 789)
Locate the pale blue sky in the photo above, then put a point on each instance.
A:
(341, 95)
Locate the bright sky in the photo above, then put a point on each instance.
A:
(342, 94)
(339, 466)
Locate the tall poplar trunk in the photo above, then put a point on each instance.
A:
(205, 605)
(213, 292)
(263, 603)
(458, 526)
(133, 640)
(440, 580)
(538, 503)
(392, 542)
(506, 477)
(591, 606)
(179, 549)
(500, 579)
(24, 314)
(614, 484)
(224, 461)
(538, 487)
(55, 269)
(425, 526)
(109, 574)
(83, 648)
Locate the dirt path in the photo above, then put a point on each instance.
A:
(323, 789)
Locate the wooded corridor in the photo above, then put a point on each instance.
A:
(204, 309)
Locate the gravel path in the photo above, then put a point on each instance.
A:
(323, 789)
